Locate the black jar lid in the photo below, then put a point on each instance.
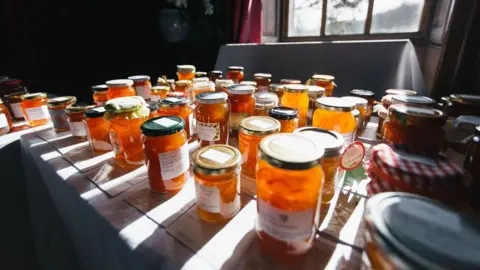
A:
(283, 113)
(95, 112)
(162, 126)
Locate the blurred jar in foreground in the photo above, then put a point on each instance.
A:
(211, 116)
(278, 90)
(242, 105)
(97, 130)
(214, 75)
(5, 119)
(100, 94)
(263, 81)
(287, 117)
(296, 97)
(185, 72)
(222, 84)
(120, 88)
(178, 107)
(13, 101)
(369, 96)
(264, 102)
(387, 99)
(34, 107)
(159, 92)
(314, 93)
(361, 105)
(325, 81)
(56, 108)
(75, 116)
(235, 73)
(335, 114)
(142, 85)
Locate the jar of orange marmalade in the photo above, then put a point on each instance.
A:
(211, 116)
(369, 96)
(120, 88)
(201, 87)
(222, 84)
(252, 131)
(75, 116)
(185, 72)
(290, 81)
(289, 187)
(287, 117)
(178, 107)
(100, 94)
(264, 102)
(215, 75)
(97, 130)
(125, 116)
(314, 93)
(142, 85)
(263, 81)
(56, 108)
(242, 104)
(335, 114)
(5, 119)
(182, 86)
(235, 73)
(153, 107)
(296, 97)
(13, 101)
(333, 144)
(325, 81)
(166, 153)
(277, 89)
(361, 106)
(34, 108)
(217, 182)
(159, 92)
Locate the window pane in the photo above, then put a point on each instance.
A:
(346, 17)
(399, 16)
(304, 17)
(269, 17)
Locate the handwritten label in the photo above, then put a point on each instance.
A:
(143, 91)
(207, 197)
(208, 131)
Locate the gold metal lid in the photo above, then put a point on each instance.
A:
(235, 68)
(259, 125)
(331, 141)
(335, 104)
(78, 107)
(323, 77)
(216, 159)
(185, 68)
(265, 98)
(211, 97)
(33, 96)
(359, 102)
(251, 83)
(119, 83)
(402, 92)
(183, 83)
(262, 76)
(160, 88)
(61, 101)
(296, 88)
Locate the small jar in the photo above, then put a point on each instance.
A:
(214, 75)
(264, 102)
(120, 88)
(369, 96)
(34, 108)
(242, 104)
(314, 93)
(252, 131)
(153, 107)
(166, 153)
(13, 101)
(178, 107)
(211, 116)
(325, 81)
(277, 89)
(75, 116)
(182, 86)
(56, 108)
(414, 101)
(235, 73)
(125, 116)
(382, 115)
(251, 83)
(100, 94)
(361, 105)
(289, 188)
(296, 97)
(333, 144)
(222, 84)
(185, 72)
(263, 81)
(287, 117)
(5, 119)
(142, 85)
(335, 114)
(97, 130)
(217, 182)
(201, 87)
(159, 92)
(290, 81)
(177, 94)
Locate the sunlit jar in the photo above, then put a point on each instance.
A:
(75, 117)
(290, 81)
(263, 81)
(335, 114)
(34, 108)
(382, 115)
(264, 102)
(369, 96)
(56, 108)
(211, 114)
(125, 116)
(185, 72)
(314, 93)
(5, 119)
(296, 97)
(222, 84)
(177, 94)
(97, 130)
(333, 144)
(242, 104)
(13, 101)
(217, 182)
(287, 117)
(120, 88)
(100, 94)
(153, 107)
(251, 83)
(178, 107)
(142, 85)
(325, 81)
(289, 188)
(201, 74)
(278, 90)
(166, 153)
(235, 73)
(182, 86)
(159, 92)
(361, 105)
(252, 131)
(214, 75)
(201, 87)
(414, 100)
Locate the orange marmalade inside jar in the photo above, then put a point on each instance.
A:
(153, 107)
(56, 108)
(242, 105)
(142, 85)
(278, 90)
(201, 87)
(75, 116)
(182, 86)
(289, 186)
(100, 94)
(217, 182)
(13, 101)
(222, 84)
(211, 114)
(252, 131)
(178, 107)
(369, 96)
(361, 106)
(287, 117)
(325, 81)
(264, 102)
(335, 114)
(5, 119)
(97, 130)
(159, 92)
(235, 73)
(214, 75)
(120, 88)
(34, 108)
(296, 97)
(185, 72)
(263, 81)
(314, 93)
(166, 153)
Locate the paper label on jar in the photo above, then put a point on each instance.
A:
(38, 113)
(348, 137)
(3, 121)
(17, 110)
(115, 143)
(155, 97)
(208, 131)
(101, 145)
(191, 124)
(59, 119)
(174, 163)
(165, 122)
(285, 225)
(227, 209)
(262, 89)
(143, 91)
(78, 129)
(207, 198)
(235, 119)
(216, 156)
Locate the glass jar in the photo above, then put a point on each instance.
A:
(333, 144)
(382, 115)
(296, 97)
(182, 86)
(153, 107)
(287, 117)
(100, 94)
(5, 119)
(217, 182)
(185, 72)
(166, 153)
(215, 75)
(97, 130)
(235, 73)
(325, 81)
(314, 93)
(222, 84)
(335, 114)
(163, 82)
(159, 92)
(171, 83)
(120, 88)
(75, 116)
(419, 129)
(242, 104)
(462, 104)
(278, 90)
(200, 79)
(125, 116)
(56, 108)
(263, 81)
(414, 100)
(201, 74)
(201, 87)
(177, 94)
(361, 105)
(142, 85)
(211, 114)
(34, 108)
(13, 101)
(289, 189)
(178, 107)
(290, 81)
(251, 83)
(369, 96)
(264, 102)
(252, 131)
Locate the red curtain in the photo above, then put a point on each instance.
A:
(246, 21)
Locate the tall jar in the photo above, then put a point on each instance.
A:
(235, 73)
(34, 108)
(76, 116)
(56, 108)
(335, 114)
(263, 81)
(369, 96)
(211, 114)
(100, 94)
(178, 107)
(296, 97)
(120, 88)
(97, 130)
(222, 84)
(252, 131)
(185, 72)
(264, 102)
(142, 85)
(217, 182)
(277, 89)
(242, 104)
(361, 106)
(13, 101)
(5, 119)
(287, 117)
(289, 188)
(214, 75)
(159, 92)
(325, 81)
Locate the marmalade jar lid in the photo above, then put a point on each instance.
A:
(259, 125)
(413, 100)
(119, 83)
(235, 68)
(52, 102)
(160, 88)
(139, 78)
(290, 151)
(223, 82)
(362, 93)
(466, 99)
(173, 102)
(216, 159)
(99, 88)
(183, 83)
(32, 96)
(240, 89)
(401, 92)
(78, 107)
(161, 81)
(359, 102)
(296, 88)
(335, 104)
(211, 97)
(265, 98)
(204, 85)
(185, 68)
(95, 112)
(423, 233)
(315, 91)
(283, 113)
(162, 126)
(331, 141)
(323, 77)
(125, 104)
(275, 87)
(252, 83)
(200, 79)
(200, 74)
(152, 105)
(290, 81)
(262, 76)
(216, 72)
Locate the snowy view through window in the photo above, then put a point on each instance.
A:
(347, 17)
